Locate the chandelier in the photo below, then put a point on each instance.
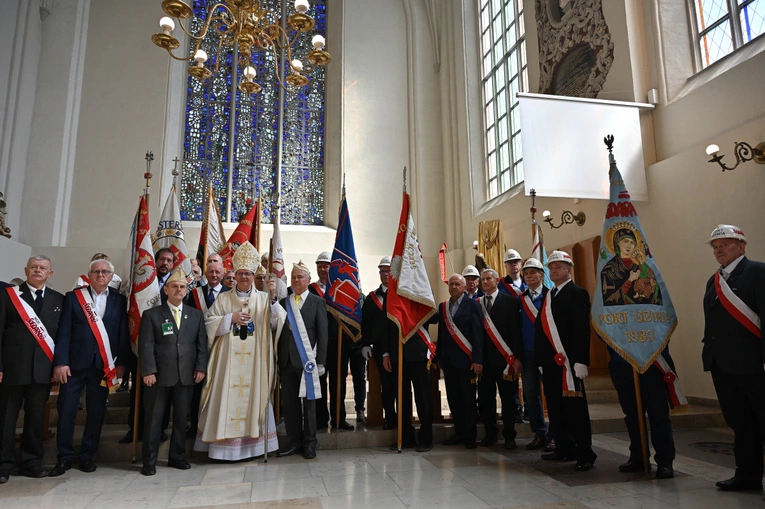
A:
(245, 24)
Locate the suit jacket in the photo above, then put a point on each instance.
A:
(76, 345)
(467, 319)
(506, 315)
(376, 328)
(189, 299)
(728, 345)
(571, 312)
(172, 357)
(22, 361)
(314, 313)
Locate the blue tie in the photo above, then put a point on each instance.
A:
(210, 297)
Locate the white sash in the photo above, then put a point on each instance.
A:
(32, 321)
(499, 342)
(737, 307)
(674, 390)
(454, 332)
(99, 331)
(306, 351)
(561, 359)
(199, 299)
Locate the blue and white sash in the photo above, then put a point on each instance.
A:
(309, 382)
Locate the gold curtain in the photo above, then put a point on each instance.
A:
(491, 243)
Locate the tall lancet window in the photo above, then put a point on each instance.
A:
(231, 139)
(504, 73)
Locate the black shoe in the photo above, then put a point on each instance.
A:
(344, 425)
(123, 387)
(60, 469)
(179, 464)
(519, 415)
(360, 416)
(162, 437)
(289, 451)
(148, 470)
(535, 444)
(424, 447)
(470, 445)
(510, 444)
(583, 466)
(736, 484)
(86, 465)
(488, 441)
(4, 476)
(633, 466)
(665, 472)
(310, 453)
(549, 445)
(455, 440)
(554, 456)
(390, 425)
(35, 472)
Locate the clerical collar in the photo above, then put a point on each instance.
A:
(242, 294)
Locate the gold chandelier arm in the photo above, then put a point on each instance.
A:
(186, 59)
(210, 19)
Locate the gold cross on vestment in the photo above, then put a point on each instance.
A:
(241, 386)
(242, 353)
(238, 418)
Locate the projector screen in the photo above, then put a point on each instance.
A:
(563, 151)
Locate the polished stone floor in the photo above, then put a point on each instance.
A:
(377, 478)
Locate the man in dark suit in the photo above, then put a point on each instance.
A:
(500, 368)
(300, 412)
(86, 346)
(202, 298)
(26, 365)
(460, 315)
(172, 345)
(734, 351)
(376, 331)
(570, 311)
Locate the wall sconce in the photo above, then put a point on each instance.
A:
(475, 245)
(744, 152)
(567, 217)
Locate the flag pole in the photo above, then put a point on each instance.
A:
(138, 378)
(337, 375)
(533, 194)
(641, 421)
(400, 395)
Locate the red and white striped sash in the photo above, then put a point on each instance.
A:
(561, 359)
(454, 332)
(319, 291)
(83, 281)
(99, 331)
(737, 307)
(504, 349)
(676, 394)
(422, 332)
(199, 299)
(509, 289)
(32, 322)
(529, 308)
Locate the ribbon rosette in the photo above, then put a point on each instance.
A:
(560, 359)
(669, 377)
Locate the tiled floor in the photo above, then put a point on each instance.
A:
(377, 478)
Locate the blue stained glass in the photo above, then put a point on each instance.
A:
(252, 128)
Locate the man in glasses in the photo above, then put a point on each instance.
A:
(91, 353)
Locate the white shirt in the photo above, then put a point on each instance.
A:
(321, 285)
(534, 293)
(34, 290)
(731, 267)
(303, 297)
(560, 286)
(99, 299)
(215, 290)
(518, 283)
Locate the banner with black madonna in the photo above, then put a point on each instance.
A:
(631, 309)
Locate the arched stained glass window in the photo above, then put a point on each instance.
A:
(231, 139)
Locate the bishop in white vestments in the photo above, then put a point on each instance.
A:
(236, 417)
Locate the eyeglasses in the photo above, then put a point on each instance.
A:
(101, 272)
(384, 272)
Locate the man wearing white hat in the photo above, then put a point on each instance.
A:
(512, 283)
(733, 352)
(376, 330)
(472, 280)
(562, 351)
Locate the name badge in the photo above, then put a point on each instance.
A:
(167, 328)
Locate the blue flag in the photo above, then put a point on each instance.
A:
(631, 310)
(343, 295)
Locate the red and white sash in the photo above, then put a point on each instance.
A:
(83, 281)
(422, 332)
(561, 359)
(99, 331)
(737, 307)
(510, 289)
(676, 394)
(32, 321)
(454, 332)
(199, 299)
(496, 338)
(529, 308)
(319, 291)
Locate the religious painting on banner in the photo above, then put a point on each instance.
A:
(344, 297)
(631, 309)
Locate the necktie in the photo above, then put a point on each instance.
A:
(297, 300)
(210, 297)
(488, 303)
(177, 317)
(532, 294)
(555, 291)
(39, 300)
(724, 275)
